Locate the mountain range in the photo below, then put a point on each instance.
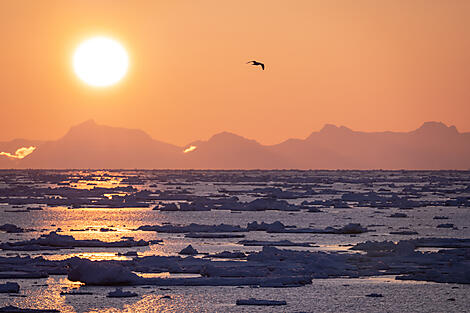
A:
(434, 145)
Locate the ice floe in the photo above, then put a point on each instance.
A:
(14, 309)
(119, 293)
(55, 241)
(100, 273)
(189, 250)
(9, 287)
(11, 228)
(253, 301)
(280, 243)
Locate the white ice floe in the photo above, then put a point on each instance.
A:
(274, 227)
(398, 215)
(100, 273)
(189, 250)
(129, 253)
(351, 228)
(253, 301)
(404, 232)
(14, 309)
(11, 228)
(228, 255)
(213, 236)
(166, 207)
(192, 228)
(280, 243)
(271, 266)
(75, 293)
(54, 241)
(444, 266)
(9, 287)
(118, 293)
(446, 225)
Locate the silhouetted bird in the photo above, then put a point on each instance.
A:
(255, 63)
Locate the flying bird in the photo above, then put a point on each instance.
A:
(255, 63)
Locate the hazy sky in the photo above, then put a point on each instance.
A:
(366, 64)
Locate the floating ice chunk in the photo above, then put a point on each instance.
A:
(118, 293)
(447, 225)
(280, 243)
(276, 227)
(129, 253)
(189, 250)
(385, 248)
(166, 207)
(11, 228)
(253, 301)
(269, 227)
(20, 274)
(450, 272)
(341, 205)
(14, 309)
(192, 228)
(352, 228)
(442, 242)
(404, 232)
(75, 293)
(314, 210)
(9, 287)
(213, 236)
(399, 215)
(100, 273)
(278, 281)
(53, 241)
(316, 264)
(440, 218)
(270, 204)
(34, 208)
(228, 255)
(194, 206)
(106, 229)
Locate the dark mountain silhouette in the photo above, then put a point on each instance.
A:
(6, 162)
(88, 145)
(230, 151)
(432, 146)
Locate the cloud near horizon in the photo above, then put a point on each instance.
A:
(19, 153)
(191, 148)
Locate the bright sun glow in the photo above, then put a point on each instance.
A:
(100, 61)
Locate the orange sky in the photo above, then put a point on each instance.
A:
(366, 64)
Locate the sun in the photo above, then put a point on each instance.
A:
(100, 61)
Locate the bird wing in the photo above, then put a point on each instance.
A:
(250, 62)
(262, 66)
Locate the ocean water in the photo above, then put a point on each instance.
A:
(422, 196)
